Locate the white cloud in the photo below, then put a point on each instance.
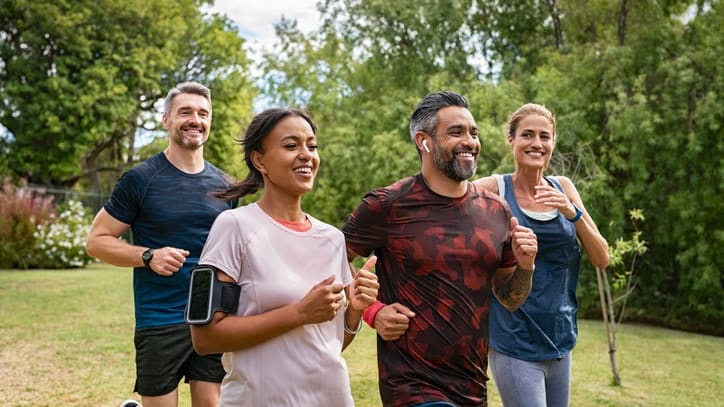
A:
(256, 19)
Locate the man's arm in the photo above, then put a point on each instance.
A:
(390, 321)
(104, 243)
(511, 285)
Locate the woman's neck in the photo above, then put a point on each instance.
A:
(282, 207)
(525, 181)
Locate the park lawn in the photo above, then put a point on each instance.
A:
(66, 339)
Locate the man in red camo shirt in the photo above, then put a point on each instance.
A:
(443, 246)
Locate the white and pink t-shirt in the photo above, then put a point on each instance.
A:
(277, 266)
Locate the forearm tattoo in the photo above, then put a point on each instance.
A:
(513, 292)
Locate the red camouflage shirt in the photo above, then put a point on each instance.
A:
(437, 256)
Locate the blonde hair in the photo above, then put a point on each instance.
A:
(527, 110)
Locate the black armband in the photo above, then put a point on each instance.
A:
(207, 294)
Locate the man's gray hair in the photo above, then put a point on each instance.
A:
(193, 88)
(424, 118)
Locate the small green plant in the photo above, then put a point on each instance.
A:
(622, 280)
(620, 252)
(61, 243)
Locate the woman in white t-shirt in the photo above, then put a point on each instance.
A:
(301, 302)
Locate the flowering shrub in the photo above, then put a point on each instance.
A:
(60, 243)
(21, 211)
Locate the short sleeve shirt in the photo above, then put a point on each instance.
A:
(166, 207)
(437, 256)
(277, 266)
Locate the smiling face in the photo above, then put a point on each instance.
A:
(456, 145)
(289, 160)
(188, 121)
(533, 141)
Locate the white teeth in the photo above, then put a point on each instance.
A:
(305, 170)
(536, 153)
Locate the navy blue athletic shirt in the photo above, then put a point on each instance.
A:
(166, 207)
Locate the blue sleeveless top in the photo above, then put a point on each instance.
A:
(545, 327)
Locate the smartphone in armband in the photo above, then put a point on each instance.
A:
(207, 294)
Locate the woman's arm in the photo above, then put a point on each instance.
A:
(228, 333)
(593, 242)
(362, 292)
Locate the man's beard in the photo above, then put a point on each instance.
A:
(453, 168)
(186, 143)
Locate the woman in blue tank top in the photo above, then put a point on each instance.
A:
(530, 349)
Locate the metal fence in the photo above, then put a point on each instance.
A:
(92, 201)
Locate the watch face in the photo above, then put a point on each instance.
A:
(147, 255)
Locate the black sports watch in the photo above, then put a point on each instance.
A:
(146, 257)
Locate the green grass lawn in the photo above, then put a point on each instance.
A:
(66, 339)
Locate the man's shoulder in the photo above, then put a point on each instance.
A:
(482, 193)
(397, 189)
(212, 168)
(148, 167)
(218, 173)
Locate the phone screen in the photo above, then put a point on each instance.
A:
(200, 296)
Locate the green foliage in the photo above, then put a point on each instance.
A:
(79, 79)
(60, 243)
(623, 249)
(21, 212)
(635, 87)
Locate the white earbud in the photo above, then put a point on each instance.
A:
(424, 145)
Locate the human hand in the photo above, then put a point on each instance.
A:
(168, 260)
(525, 244)
(392, 321)
(364, 288)
(549, 196)
(321, 302)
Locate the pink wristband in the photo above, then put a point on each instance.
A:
(370, 312)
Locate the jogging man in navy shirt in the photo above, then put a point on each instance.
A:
(167, 201)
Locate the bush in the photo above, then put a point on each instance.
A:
(61, 243)
(35, 235)
(21, 212)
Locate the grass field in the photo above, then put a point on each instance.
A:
(66, 339)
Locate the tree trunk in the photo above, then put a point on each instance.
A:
(556, 18)
(91, 158)
(622, 19)
(609, 320)
(91, 166)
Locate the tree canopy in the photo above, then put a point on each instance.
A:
(80, 80)
(636, 87)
